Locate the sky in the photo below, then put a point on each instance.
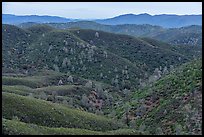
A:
(100, 10)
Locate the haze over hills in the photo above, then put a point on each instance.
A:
(14, 19)
(164, 20)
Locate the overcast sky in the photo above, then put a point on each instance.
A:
(90, 10)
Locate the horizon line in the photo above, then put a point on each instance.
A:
(99, 18)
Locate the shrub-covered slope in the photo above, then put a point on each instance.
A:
(62, 51)
(15, 42)
(173, 105)
(120, 60)
(44, 113)
(73, 91)
(52, 77)
(138, 51)
(189, 35)
(190, 52)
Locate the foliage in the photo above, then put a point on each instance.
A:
(52, 115)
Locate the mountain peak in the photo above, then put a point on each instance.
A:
(144, 14)
(133, 15)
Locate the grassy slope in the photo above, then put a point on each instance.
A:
(52, 115)
(45, 84)
(14, 127)
(40, 79)
(26, 81)
(17, 89)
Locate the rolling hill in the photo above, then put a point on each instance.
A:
(14, 127)
(90, 54)
(45, 85)
(172, 105)
(44, 113)
(188, 35)
(148, 53)
(83, 81)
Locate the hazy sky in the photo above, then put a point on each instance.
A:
(90, 10)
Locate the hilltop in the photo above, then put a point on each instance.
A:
(188, 35)
(90, 54)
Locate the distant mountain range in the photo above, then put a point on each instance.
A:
(13, 19)
(164, 20)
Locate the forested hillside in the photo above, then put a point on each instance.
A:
(92, 82)
(189, 35)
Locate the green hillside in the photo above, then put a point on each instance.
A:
(101, 80)
(64, 52)
(120, 60)
(190, 35)
(14, 127)
(172, 105)
(44, 113)
(138, 51)
(128, 29)
(187, 51)
(44, 85)
(14, 44)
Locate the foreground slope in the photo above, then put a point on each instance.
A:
(172, 105)
(15, 127)
(74, 91)
(44, 113)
